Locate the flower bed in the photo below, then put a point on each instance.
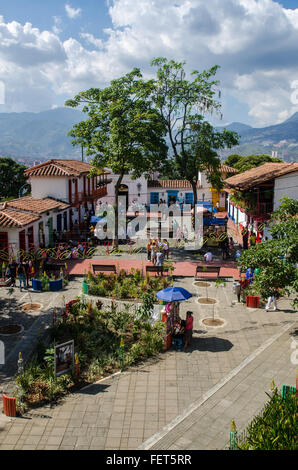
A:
(125, 286)
(106, 340)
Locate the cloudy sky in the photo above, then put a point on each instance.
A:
(51, 50)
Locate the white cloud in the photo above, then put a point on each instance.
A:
(72, 12)
(254, 42)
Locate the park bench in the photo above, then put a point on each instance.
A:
(207, 272)
(156, 269)
(53, 267)
(97, 268)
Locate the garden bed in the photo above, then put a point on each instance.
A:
(106, 340)
(122, 286)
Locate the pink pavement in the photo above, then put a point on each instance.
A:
(181, 268)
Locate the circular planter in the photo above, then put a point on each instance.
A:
(211, 322)
(12, 329)
(31, 307)
(202, 284)
(206, 301)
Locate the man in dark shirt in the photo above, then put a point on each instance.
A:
(12, 272)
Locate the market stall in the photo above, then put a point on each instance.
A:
(171, 297)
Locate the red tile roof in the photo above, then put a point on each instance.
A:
(61, 168)
(10, 218)
(170, 184)
(260, 174)
(35, 205)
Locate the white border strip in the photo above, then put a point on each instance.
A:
(146, 445)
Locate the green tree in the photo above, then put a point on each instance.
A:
(193, 141)
(244, 163)
(11, 178)
(124, 131)
(277, 258)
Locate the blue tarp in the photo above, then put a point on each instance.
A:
(94, 219)
(213, 221)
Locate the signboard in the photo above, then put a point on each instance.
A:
(64, 358)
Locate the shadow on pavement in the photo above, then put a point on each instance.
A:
(94, 389)
(211, 344)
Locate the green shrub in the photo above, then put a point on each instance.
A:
(275, 428)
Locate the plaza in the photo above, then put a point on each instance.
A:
(176, 400)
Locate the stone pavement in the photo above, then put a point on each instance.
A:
(190, 395)
(34, 322)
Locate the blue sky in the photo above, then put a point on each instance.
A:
(73, 45)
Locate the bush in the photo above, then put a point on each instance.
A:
(276, 428)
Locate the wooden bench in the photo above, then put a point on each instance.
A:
(53, 268)
(207, 272)
(156, 269)
(97, 268)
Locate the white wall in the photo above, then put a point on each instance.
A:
(286, 185)
(132, 189)
(55, 186)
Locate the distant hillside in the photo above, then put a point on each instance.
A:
(39, 135)
(281, 138)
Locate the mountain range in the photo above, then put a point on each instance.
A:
(40, 136)
(280, 138)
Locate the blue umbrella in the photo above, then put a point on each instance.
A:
(173, 294)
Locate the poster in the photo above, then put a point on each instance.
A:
(64, 358)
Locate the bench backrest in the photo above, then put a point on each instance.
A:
(207, 269)
(154, 269)
(104, 267)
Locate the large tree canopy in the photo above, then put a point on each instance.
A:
(11, 178)
(182, 103)
(244, 163)
(124, 131)
(276, 258)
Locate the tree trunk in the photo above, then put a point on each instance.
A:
(195, 200)
(117, 186)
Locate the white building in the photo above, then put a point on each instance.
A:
(262, 189)
(62, 194)
(147, 192)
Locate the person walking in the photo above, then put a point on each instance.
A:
(153, 253)
(166, 248)
(21, 275)
(12, 272)
(272, 299)
(149, 250)
(188, 329)
(159, 262)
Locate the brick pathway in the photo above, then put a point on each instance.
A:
(181, 268)
(124, 411)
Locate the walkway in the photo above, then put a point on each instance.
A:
(180, 400)
(181, 268)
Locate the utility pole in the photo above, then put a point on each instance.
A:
(82, 153)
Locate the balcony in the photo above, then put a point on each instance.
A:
(81, 197)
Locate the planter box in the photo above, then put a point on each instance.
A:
(54, 286)
(85, 288)
(36, 284)
(252, 301)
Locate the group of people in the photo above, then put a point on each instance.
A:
(182, 331)
(23, 271)
(157, 251)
